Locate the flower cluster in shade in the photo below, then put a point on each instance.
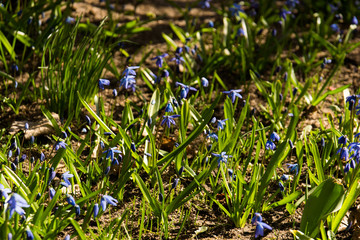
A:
(260, 225)
(354, 103)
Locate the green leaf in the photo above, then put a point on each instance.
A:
(325, 199)
(350, 198)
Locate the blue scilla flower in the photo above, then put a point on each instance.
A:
(88, 120)
(354, 20)
(281, 186)
(274, 137)
(52, 175)
(235, 9)
(260, 225)
(177, 59)
(67, 237)
(107, 199)
(69, 20)
(204, 82)
(42, 157)
(66, 177)
(110, 153)
(270, 145)
(240, 32)
(29, 234)
(213, 135)
(221, 123)
(293, 168)
(77, 210)
(347, 168)
(284, 177)
(60, 144)
(52, 193)
(103, 83)
(211, 24)
(127, 81)
(222, 157)
(352, 101)
(96, 210)
(175, 183)
(10, 236)
(342, 140)
(70, 199)
(205, 3)
(283, 13)
(335, 28)
(165, 73)
(169, 107)
(160, 59)
(233, 94)
(16, 203)
(130, 71)
(344, 153)
(169, 120)
(291, 3)
(4, 192)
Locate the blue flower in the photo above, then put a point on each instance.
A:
(77, 210)
(60, 144)
(52, 175)
(88, 120)
(283, 13)
(205, 3)
(70, 20)
(281, 186)
(4, 192)
(106, 199)
(159, 59)
(128, 81)
(184, 89)
(66, 177)
(235, 9)
(169, 107)
(221, 123)
(16, 203)
(284, 177)
(169, 120)
(29, 234)
(103, 82)
(213, 136)
(204, 82)
(233, 94)
(274, 137)
(260, 225)
(222, 157)
(335, 28)
(96, 210)
(293, 168)
(130, 71)
(178, 59)
(42, 157)
(270, 145)
(344, 153)
(110, 153)
(354, 20)
(67, 237)
(175, 183)
(342, 140)
(52, 193)
(70, 199)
